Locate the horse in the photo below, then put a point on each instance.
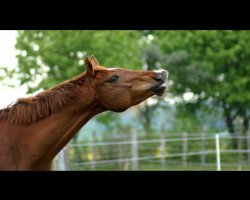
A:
(34, 130)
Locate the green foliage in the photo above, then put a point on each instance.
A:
(214, 65)
(55, 56)
(220, 59)
(2, 72)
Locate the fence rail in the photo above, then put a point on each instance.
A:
(213, 151)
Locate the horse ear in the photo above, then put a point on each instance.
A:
(89, 67)
(94, 61)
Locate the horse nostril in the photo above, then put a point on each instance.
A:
(164, 74)
(160, 76)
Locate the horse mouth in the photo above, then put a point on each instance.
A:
(159, 89)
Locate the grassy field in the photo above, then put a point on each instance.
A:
(171, 166)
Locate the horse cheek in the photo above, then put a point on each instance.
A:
(114, 102)
(121, 102)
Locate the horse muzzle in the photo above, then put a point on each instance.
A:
(161, 85)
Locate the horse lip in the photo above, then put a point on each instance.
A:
(159, 89)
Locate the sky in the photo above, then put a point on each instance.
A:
(8, 59)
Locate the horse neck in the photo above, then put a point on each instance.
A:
(51, 134)
(66, 123)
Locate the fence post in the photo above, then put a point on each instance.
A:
(134, 149)
(203, 150)
(93, 166)
(163, 149)
(184, 149)
(217, 143)
(248, 145)
(127, 153)
(119, 155)
(63, 159)
(239, 144)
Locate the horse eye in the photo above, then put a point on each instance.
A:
(114, 79)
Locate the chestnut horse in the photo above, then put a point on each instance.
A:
(33, 130)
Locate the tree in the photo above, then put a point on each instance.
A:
(217, 69)
(46, 58)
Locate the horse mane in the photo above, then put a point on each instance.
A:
(27, 110)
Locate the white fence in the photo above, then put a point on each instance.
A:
(186, 152)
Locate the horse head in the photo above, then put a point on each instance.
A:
(117, 89)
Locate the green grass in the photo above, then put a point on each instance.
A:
(171, 166)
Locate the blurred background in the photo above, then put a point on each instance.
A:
(202, 123)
